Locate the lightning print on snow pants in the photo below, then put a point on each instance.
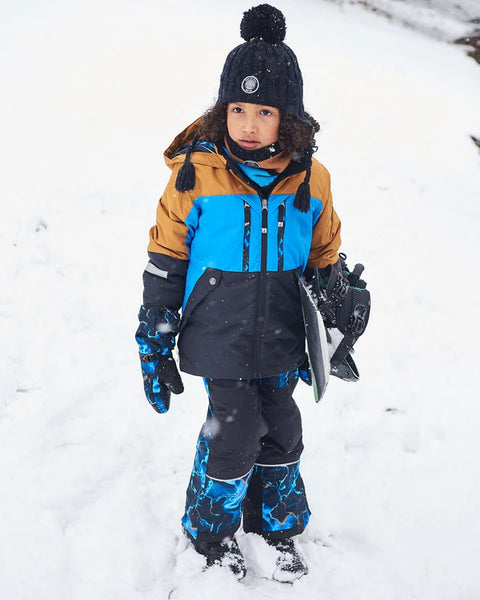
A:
(213, 508)
(276, 505)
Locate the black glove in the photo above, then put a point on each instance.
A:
(156, 338)
(304, 371)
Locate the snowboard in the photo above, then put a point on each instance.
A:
(317, 342)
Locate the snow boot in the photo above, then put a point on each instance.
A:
(225, 554)
(290, 565)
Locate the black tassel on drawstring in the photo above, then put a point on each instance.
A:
(302, 197)
(186, 176)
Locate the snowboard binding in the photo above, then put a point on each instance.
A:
(344, 303)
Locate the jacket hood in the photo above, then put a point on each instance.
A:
(174, 154)
(183, 154)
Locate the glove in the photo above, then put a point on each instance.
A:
(156, 339)
(160, 378)
(304, 371)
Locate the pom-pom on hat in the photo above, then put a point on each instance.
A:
(263, 70)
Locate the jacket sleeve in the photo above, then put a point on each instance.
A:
(165, 273)
(326, 232)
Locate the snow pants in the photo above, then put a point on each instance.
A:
(247, 462)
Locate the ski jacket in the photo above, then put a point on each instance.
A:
(229, 253)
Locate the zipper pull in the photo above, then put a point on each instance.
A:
(264, 215)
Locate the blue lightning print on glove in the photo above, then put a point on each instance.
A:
(156, 339)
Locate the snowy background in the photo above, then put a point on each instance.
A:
(93, 480)
(445, 20)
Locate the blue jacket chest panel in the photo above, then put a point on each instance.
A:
(225, 232)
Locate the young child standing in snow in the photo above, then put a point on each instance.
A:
(246, 210)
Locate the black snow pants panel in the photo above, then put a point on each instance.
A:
(251, 422)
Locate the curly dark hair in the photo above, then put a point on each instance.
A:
(295, 138)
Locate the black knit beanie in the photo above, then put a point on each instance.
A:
(263, 70)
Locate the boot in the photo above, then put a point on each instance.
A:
(290, 565)
(225, 554)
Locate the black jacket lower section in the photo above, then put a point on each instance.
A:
(242, 325)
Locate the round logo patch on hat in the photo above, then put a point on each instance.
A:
(250, 84)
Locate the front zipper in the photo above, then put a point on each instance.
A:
(263, 254)
(263, 286)
(262, 295)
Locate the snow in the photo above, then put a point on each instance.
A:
(442, 19)
(93, 480)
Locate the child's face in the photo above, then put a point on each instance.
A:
(252, 126)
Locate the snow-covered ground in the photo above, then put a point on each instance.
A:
(93, 480)
(442, 19)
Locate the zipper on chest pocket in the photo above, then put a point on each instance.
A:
(247, 232)
(280, 234)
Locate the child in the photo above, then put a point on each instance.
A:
(245, 211)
